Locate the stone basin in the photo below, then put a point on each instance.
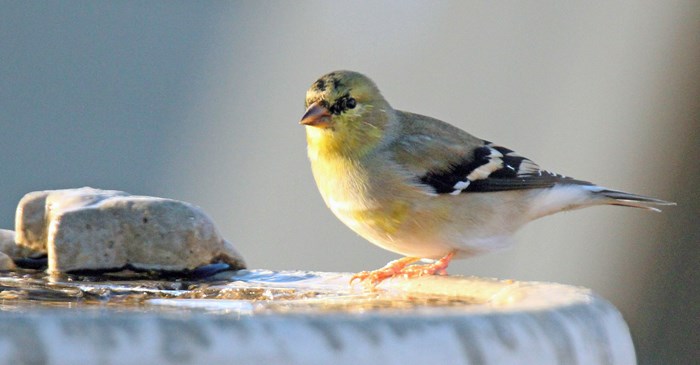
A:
(299, 317)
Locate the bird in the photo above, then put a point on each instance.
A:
(423, 188)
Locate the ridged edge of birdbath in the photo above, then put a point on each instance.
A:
(494, 322)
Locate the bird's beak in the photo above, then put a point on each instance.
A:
(316, 115)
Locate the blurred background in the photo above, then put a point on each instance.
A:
(200, 102)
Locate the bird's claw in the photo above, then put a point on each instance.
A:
(371, 277)
(401, 268)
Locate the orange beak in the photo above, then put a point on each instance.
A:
(316, 115)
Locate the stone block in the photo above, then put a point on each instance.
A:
(6, 262)
(91, 229)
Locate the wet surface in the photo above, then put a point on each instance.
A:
(261, 316)
(245, 292)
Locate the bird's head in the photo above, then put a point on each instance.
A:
(345, 113)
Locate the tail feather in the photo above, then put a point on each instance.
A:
(577, 195)
(632, 200)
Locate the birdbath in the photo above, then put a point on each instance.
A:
(300, 317)
(103, 277)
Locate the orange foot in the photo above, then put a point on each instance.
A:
(401, 267)
(391, 269)
(438, 267)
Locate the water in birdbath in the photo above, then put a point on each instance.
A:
(244, 292)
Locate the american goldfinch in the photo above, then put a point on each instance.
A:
(423, 188)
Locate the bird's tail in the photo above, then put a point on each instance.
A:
(614, 197)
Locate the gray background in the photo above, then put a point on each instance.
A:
(200, 102)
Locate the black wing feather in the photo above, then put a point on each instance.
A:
(505, 169)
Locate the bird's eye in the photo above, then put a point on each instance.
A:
(350, 103)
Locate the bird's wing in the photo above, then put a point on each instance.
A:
(493, 168)
(451, 161)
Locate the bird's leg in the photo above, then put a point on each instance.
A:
(438, 267)
(389, 270)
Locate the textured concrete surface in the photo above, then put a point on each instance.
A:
(92, 229)
(495, 322)
(6, 262)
